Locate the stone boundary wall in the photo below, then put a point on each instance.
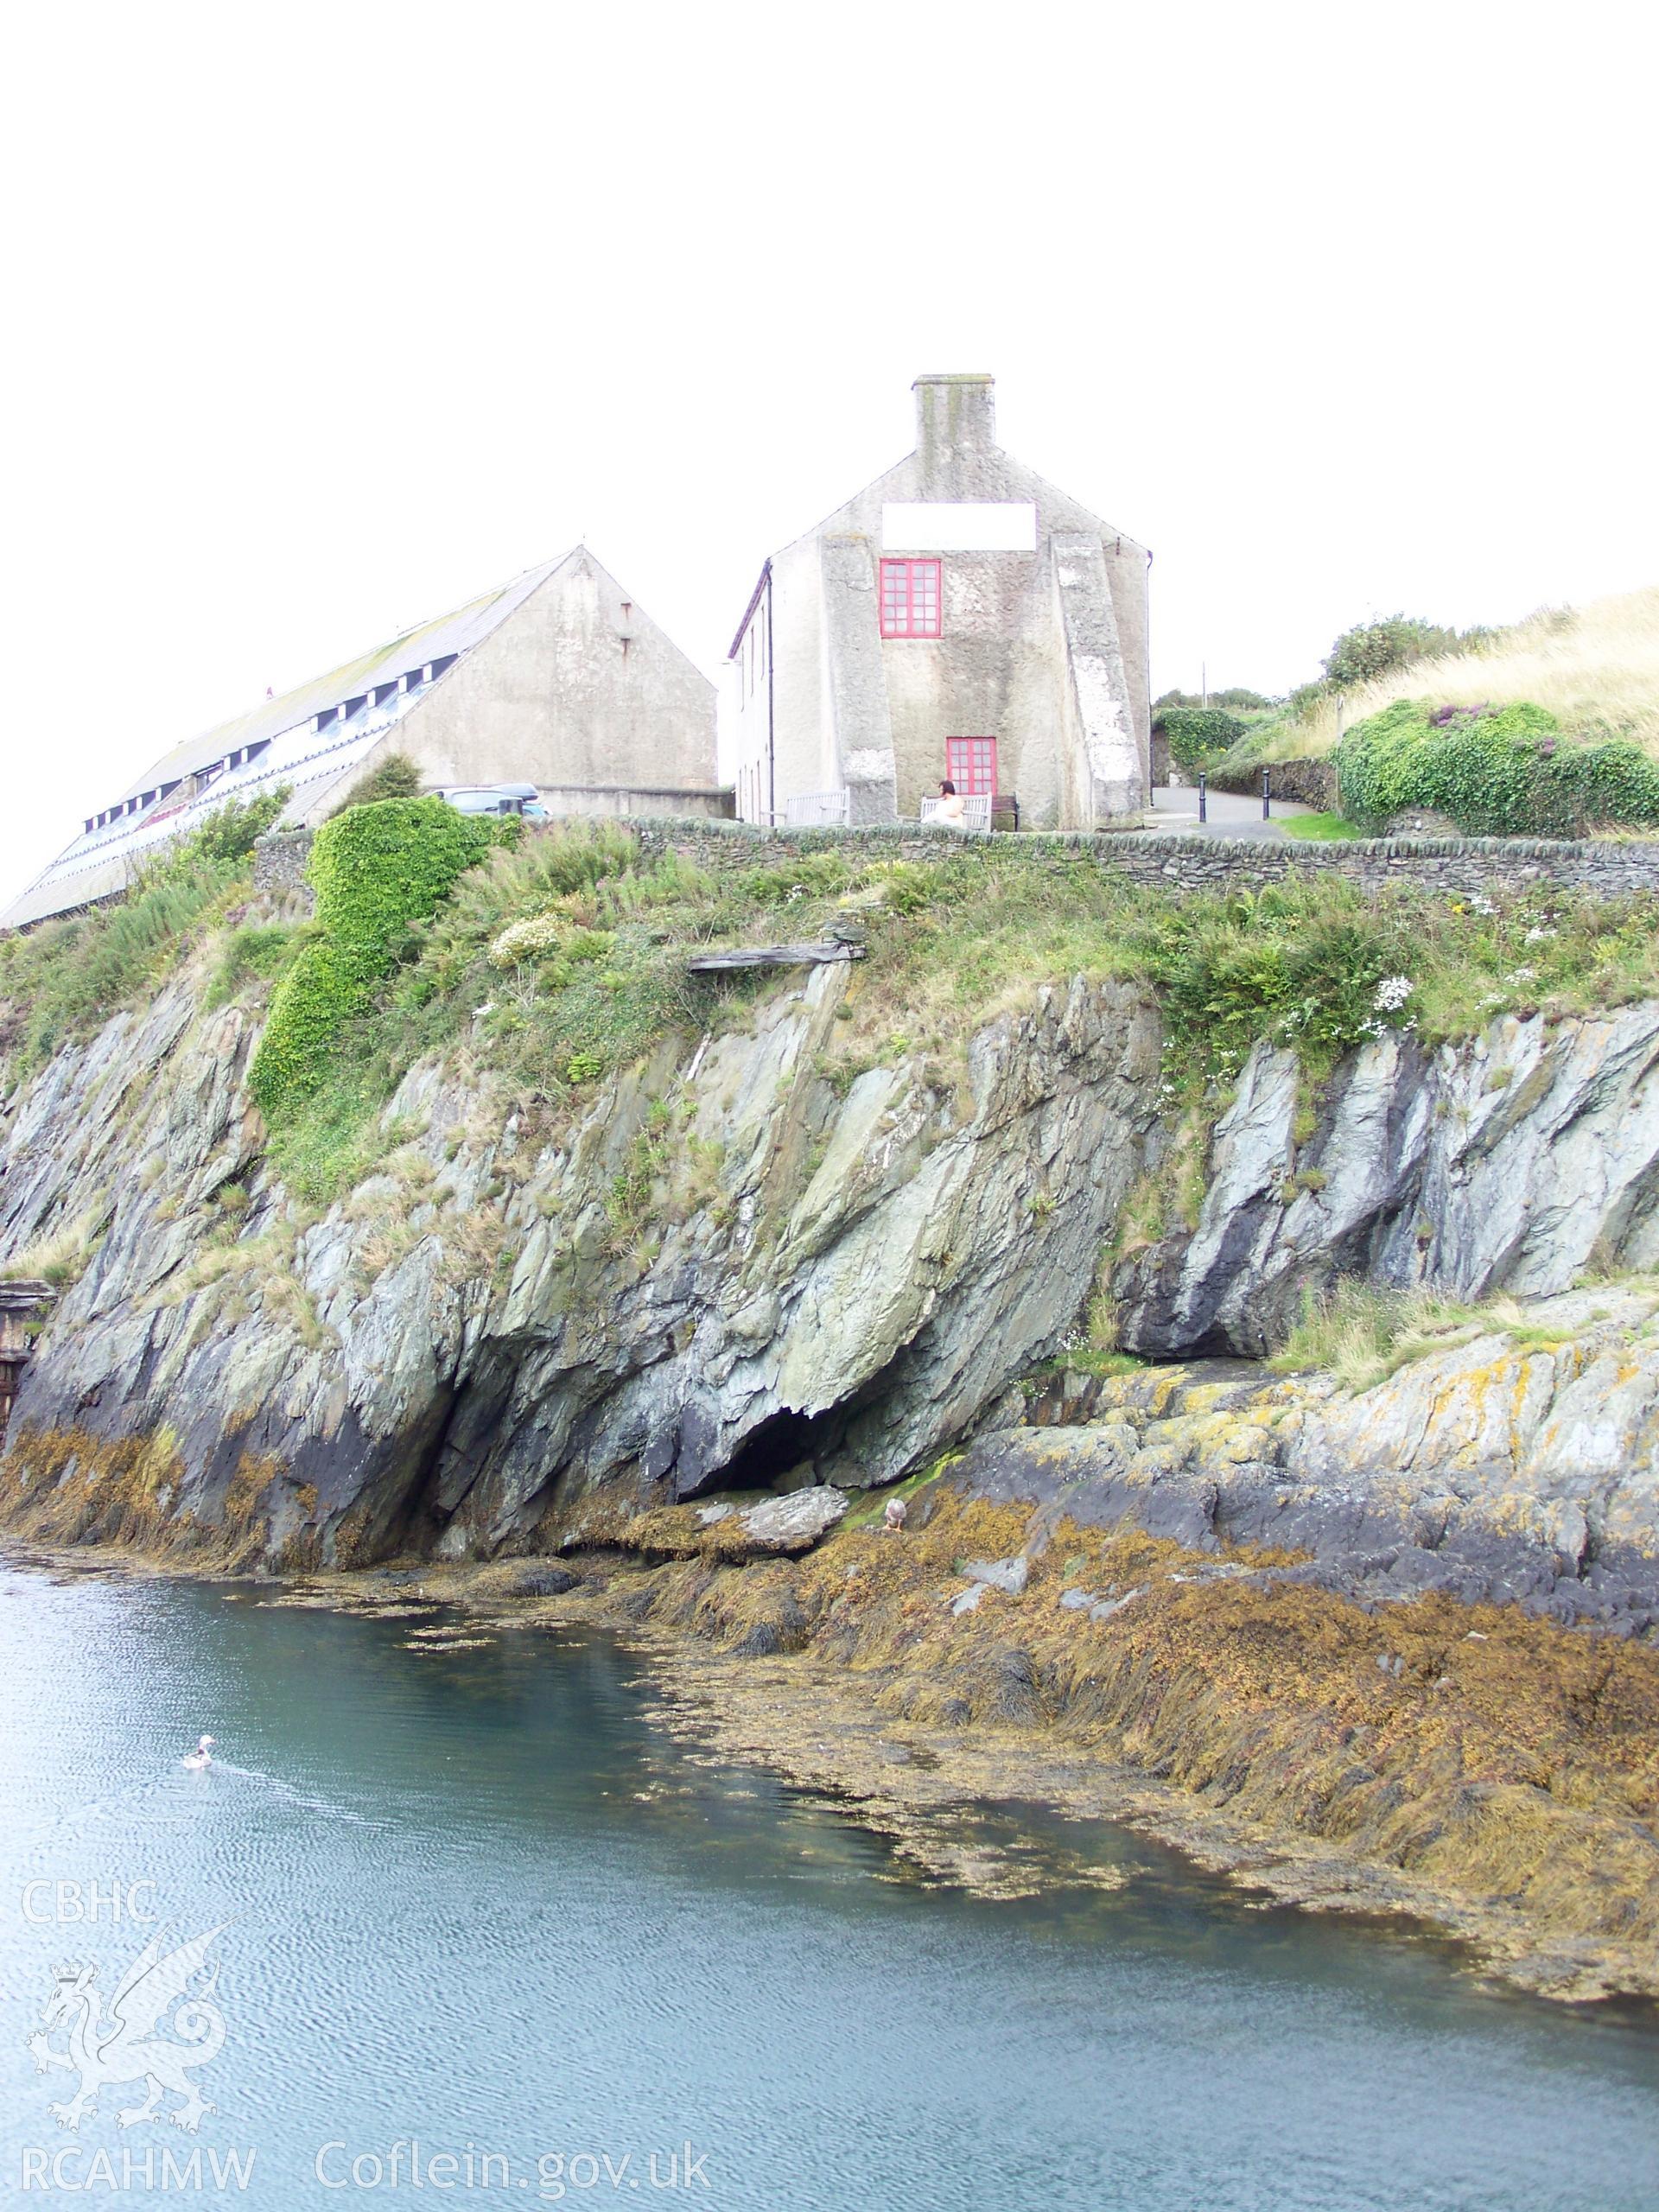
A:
(1608, 867)
(1311, 782)
(279, 860)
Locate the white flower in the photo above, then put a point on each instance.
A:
(1522, 975)
(529, 939)
(1391, 993)
(1479, 903)
(1538, 935)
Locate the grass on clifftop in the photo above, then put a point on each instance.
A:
(1595, 668)
(549, 967)
(553, 965)
(63, 979)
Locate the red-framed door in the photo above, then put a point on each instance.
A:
(971, 764)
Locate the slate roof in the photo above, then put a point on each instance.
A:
(104, 860)
(428, 641)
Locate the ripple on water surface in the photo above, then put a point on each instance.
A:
(477, 1896)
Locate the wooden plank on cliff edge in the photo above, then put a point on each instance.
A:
(771, 955)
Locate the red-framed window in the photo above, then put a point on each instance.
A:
(910, 599)
(971, 764)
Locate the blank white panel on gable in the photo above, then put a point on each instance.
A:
(958, 526)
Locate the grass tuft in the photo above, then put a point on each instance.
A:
(1320, 828)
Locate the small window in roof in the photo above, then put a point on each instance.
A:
(444, 660)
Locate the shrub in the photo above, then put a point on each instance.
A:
(1496, 772)
(228, 833)
(533, 938)
(1234, 696)
(1372, 649)
(1304, 699)
(541, 936)
(1196, 733)
(810, 875)
(1315, 967)
(912, 887)
(376, 870)
(397, 776)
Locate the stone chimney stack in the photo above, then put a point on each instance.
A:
(955, 415)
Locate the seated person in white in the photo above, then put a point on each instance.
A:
(951, 807)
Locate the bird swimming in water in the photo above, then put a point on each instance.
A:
(203, 1754)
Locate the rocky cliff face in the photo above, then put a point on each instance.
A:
(734, 1269)
(1519, 1465)
(1510, 1163)
(723, 1272)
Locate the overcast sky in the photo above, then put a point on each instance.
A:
(324, 319)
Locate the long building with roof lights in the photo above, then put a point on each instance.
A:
(557, 679)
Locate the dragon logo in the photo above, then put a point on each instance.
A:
(125, 2048)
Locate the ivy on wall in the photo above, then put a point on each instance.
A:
(375, 869)
(1496, 772)
(1196, 735)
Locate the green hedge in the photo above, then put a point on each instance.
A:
(1197, 733)
(375, 870)
(1496, 772)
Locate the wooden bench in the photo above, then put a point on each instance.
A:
(975, 814)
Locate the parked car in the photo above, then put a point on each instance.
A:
(495, 799)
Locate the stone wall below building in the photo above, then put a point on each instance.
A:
(635, 800)
(279, 861)
(1608, 867)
